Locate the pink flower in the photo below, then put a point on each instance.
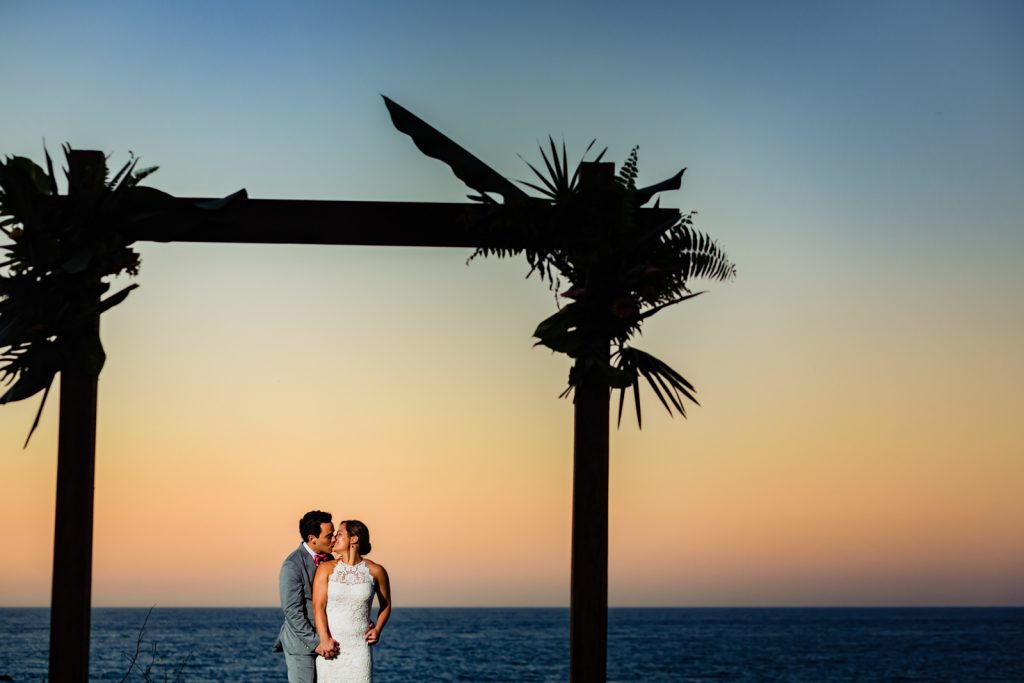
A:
(648, 292)
(625, 307)
(574, 292)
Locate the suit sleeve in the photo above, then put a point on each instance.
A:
(293, 602)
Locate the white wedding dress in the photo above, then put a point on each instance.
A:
(350, 591)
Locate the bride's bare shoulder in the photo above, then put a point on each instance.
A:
(325, 567)
(374, 567)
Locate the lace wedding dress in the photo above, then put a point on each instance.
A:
(350, 592)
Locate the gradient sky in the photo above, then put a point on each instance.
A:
(858, 443)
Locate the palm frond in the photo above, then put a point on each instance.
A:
(668, 385)
(558, 184)
(49, 171)
(695, 254)
(125, 171)
(551, 190)
(552, 172)
(628, 172)
(574, 183)
(560, 179)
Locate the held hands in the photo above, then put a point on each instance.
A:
(372, 635)
(328, 649)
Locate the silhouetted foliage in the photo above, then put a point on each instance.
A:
(619, 270)
(62, 248)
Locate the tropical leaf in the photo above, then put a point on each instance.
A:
(59, 255)
(126, 170)
(645, 194)
(558, 185)
(576, 173)
(671, 302)
(698, 255)
(33, 173)
(560, 332)
(39, 413)
(49, 172)
(548, 189)
(39, 366)
(115, 299)
(141, 174)
(11, 328)
(628, 172)
(667, 384)
(467, 168)
(233, 199)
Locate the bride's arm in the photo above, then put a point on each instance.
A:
(327, 646)
(380, 576)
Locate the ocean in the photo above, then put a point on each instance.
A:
(813, 645)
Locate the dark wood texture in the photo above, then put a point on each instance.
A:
(588, 588)
(588, 601)
(294, 221)
(386, 224)
(70, 600)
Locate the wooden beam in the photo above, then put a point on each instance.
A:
(292, 221)
(386, 224)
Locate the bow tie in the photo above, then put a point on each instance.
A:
(321, 557)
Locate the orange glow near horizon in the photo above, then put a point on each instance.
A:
(801, 481)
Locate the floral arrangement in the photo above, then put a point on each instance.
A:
(619, 269)
(63, 249)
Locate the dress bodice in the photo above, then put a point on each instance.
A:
(350, 591)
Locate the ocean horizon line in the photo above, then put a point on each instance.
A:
(566, 607)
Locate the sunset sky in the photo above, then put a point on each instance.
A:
(859, 440)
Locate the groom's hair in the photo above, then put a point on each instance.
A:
(310, 523)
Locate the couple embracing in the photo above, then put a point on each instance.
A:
(327, 588)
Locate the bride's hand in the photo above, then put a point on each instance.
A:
(372, 635)
(328, 648)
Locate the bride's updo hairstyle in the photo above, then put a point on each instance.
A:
(358, 529)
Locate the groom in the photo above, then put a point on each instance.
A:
(298, 637)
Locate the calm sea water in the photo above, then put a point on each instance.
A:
(431, 644)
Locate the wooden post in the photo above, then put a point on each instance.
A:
(588, 599)
(71, 595)
(588, 611)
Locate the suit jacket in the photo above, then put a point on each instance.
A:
(298, 633)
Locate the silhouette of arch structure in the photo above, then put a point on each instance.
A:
(283, 221)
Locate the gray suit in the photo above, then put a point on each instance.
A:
(298, 638)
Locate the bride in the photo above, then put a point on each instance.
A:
(343, 591)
